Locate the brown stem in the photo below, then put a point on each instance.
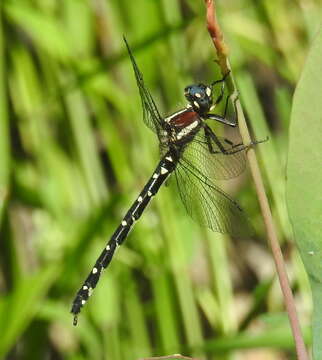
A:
(222, 52)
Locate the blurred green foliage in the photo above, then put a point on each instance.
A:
(75, 153)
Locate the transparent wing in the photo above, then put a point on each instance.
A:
(216, 165)
(207, 204)
(151, 115)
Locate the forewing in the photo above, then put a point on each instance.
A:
(151, 116)
(207, 204)
(216, 166)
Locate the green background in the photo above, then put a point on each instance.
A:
(74, 154)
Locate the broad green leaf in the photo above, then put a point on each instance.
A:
(304, 178)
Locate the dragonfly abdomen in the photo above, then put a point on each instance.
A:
(165, 167)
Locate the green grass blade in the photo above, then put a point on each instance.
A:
(4, 129)
(45, 30)
(280, 338)
(19, 308)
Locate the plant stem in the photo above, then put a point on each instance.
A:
(222, 52)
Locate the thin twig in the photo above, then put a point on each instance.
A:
(222, 52)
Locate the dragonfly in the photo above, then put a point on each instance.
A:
(195, 156)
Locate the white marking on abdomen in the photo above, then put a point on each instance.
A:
(185, 131)
(164, 170)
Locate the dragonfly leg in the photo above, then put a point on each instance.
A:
(252, 143)
(222, 79)
(222, 118)
(221, 95)
(235, 148)
(210, 135)
(231, 143)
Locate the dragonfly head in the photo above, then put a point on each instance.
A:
(199, 97)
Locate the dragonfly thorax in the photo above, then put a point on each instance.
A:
(199, 97)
